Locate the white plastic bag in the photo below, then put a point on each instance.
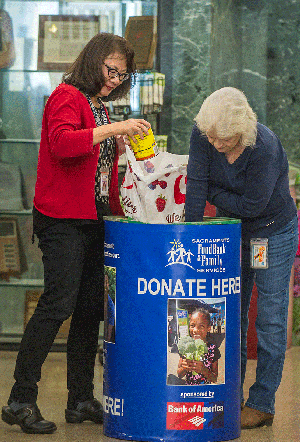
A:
(153, 191)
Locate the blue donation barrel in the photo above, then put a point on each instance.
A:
(165, 282)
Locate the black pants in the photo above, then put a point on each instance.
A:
(73, 261)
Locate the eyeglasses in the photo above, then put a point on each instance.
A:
(113, 73)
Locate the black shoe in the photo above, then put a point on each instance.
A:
(90, 410)
(29, 418)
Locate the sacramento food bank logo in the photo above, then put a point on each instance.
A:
(179, 255)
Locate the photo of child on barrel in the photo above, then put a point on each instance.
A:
(196, 341)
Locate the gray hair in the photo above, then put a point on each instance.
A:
(228, 113)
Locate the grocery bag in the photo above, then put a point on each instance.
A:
(153, 190)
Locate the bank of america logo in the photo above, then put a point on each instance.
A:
(197, 421)
(178, 255)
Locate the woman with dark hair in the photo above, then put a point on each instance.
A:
(85, 74)
(77, 184)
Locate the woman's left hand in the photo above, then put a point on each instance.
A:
(197, 366)
(192, 365)
(122, 141)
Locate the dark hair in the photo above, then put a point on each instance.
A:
(86, 72)
(203, 312)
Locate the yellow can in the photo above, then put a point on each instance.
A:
(144, 148)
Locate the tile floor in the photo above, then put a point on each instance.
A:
(53, 395)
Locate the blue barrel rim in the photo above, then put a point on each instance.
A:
(207, 221)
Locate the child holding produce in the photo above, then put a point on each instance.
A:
(198, 354)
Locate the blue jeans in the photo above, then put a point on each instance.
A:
(272, 311)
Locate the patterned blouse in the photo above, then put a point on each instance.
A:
(211, 356)
(107, 151)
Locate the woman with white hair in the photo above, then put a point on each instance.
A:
(240, 166)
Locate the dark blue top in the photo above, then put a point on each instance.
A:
(255, 188)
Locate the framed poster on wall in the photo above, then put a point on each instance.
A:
(7, 48)
(141, 32)
(62, 37)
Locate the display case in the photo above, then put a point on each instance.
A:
(25, 85)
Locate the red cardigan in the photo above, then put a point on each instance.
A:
(67, 163)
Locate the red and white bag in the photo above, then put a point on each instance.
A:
(153, 190)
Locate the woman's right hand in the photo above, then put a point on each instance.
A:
(181, 370)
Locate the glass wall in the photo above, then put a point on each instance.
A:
(25, 85)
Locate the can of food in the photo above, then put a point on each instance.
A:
(144, 148)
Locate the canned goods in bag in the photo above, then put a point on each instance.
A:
(144, 148)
